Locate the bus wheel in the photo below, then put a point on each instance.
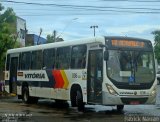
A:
(34, 100)
(25, 95)
(79, 101)
(120, 108)
(73, 98)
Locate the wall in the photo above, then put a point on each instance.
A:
(21, 30)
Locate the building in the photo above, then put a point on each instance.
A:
(32, 39)
(21, 30)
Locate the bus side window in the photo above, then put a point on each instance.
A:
(25, 60)
(49, 58)
(37, 59)
(78, 58)
(19, 62)
(63, 58)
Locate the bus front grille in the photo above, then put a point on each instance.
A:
(134, 100)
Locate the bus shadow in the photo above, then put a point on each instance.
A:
(90, 113)
(65, 109)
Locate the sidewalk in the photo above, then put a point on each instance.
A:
(3, 94)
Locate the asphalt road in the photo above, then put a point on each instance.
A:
(13, 110)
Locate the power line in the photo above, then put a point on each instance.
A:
(131, 0)
(139, 10)
(78, 6)
(90, 14)
(135, 1)
(121, 8)
(105, 12)
(97, 8)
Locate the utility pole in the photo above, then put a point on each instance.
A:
(94, 27)
(39, 36)
(54, 35)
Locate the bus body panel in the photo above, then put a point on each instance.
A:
(127, 96)
(57, 83)
(109, 99)
(60, 90)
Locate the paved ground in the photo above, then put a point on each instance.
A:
(49, 111)
(13, 110)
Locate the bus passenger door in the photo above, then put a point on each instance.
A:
(95, 78)
(13, 75)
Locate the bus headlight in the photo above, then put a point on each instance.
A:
(111, 90)
(153, 92)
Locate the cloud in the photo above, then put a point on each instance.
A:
(109, 23)
(132, 28)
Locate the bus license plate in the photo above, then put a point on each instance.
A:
(134, 102)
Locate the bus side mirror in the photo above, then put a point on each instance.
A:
(106, 55)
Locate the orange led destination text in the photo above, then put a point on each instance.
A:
(126, 43)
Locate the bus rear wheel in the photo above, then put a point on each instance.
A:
(120, 108)
(79, 100)
(73, 98)
(26, 98)
(25, 95)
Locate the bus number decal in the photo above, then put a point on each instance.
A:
(74, 75)
(84, 75)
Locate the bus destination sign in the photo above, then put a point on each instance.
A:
(128, 43)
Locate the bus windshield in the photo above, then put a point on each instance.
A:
(132, 67)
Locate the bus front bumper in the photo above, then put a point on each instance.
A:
(109, 99)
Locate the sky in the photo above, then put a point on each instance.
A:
(72, 19)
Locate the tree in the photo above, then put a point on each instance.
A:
(52, 38)
(1, 7)
(7, 33)
(156, 34)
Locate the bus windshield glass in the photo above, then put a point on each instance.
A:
(133, 67)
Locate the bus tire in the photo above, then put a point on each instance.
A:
(120, 108)
(79, 100)
(60, 102)
(25, 95)
(73, 98)
(34, 100)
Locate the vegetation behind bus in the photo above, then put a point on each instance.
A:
(7, 33)
(156, 34)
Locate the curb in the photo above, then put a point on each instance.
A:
(7, 95)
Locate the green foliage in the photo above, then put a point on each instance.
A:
(7, 32)
(156, 34)
(50, 39)
(1, 7)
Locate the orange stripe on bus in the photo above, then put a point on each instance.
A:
(66, 82)
(58, 79)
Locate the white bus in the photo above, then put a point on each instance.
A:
(101, 70)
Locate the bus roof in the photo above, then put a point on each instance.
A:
(100, 39)
(58, 44)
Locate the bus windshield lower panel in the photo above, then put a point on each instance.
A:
(131, 69)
